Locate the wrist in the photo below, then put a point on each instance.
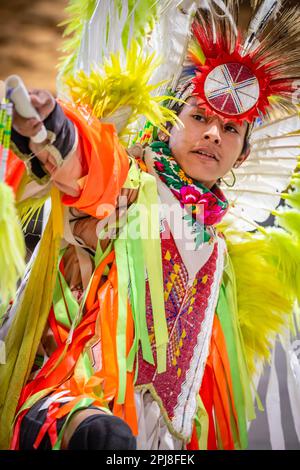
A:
(61, 141)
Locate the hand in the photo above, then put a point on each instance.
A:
(44, 103)
(45, 157)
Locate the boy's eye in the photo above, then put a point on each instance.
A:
(198, 117)
(230, 128)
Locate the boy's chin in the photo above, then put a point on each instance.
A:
(207, 181)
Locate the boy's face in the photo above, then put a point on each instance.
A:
(207, 147)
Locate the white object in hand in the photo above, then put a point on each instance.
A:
(21, 99)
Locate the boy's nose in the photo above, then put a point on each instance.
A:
(212, 134)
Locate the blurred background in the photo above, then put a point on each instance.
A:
(29, 41)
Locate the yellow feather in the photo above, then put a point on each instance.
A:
(267, 271)
(264, 303)
(106, 90)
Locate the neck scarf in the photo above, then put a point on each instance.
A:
(206, 206)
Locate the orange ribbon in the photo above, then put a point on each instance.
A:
(105, 164)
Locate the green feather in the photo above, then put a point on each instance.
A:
(293, 196)
(12, 245)
(264, 299)
(289, 220)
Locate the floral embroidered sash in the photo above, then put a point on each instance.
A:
(188, 191)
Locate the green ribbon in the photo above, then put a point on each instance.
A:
(65, 305)
(202, 424)
(231, 291)
(148, 199)
(136, 251)
(228, 315)
(225, 316)
(100, 255)
(136, 264)
(32, 400)
(84, 367)
(123, 282)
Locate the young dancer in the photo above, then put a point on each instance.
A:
(128, 321)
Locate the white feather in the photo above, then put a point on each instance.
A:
(269, 172)
(169, 39)
(278, 141)
(273, 153)
(276, 128)
(83, 62)
(265, 12)
(257, 191)
(265, 174)
(97, 32)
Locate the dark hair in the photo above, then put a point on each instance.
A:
(246, 146)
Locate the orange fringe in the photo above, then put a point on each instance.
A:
(219, 399)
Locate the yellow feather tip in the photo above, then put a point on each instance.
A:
(117, 86)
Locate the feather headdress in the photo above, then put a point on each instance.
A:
(245, 74)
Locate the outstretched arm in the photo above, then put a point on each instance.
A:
(82, 157)
(58, 158)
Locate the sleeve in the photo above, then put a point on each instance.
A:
(104, 165)
(83, 158)
(61, 142)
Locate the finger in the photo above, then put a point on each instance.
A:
(21, 121)
(37, 127)
(33, 91)
(44, 103)
(38, 100)
(27, 127)
(32, 122)
(30, 131)
(49, 167)
(37, 93)
(29, 124)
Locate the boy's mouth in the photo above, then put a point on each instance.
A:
(206, 154)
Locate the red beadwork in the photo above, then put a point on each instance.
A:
(185, 310)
